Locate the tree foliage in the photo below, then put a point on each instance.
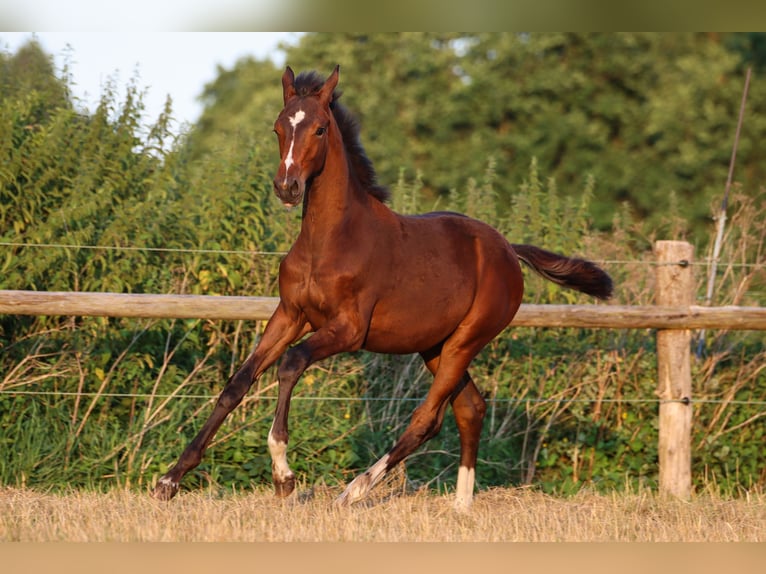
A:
(646, 115)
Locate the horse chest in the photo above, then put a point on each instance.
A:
(325, 291)
(318, 293)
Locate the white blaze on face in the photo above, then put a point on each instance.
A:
(294, 121)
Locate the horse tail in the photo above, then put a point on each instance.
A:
(573, 273)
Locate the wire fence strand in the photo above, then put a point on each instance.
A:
(190, 250)
(539, 400)
(254, 252)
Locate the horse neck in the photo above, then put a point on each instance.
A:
(335, 198)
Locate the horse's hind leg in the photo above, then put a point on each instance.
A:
(469, 408)
(450, 384)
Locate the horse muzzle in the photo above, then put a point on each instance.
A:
(289, 190)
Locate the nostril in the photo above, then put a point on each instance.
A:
(289, 190)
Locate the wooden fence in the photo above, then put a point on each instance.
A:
(674, 316)
(260, 308)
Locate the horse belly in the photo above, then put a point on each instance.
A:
(433, 286)
(412, 324)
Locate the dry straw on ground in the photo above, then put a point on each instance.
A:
(498, 515)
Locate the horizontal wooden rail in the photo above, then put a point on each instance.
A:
(136, 305)
(261, 308)
(642, 317)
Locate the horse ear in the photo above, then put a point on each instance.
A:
(288, 84)
(325, 94)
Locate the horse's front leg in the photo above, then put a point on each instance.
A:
(329, 340)
(281, 330)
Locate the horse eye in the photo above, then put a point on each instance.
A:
(321, 131)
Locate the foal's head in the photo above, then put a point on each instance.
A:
(302, 128)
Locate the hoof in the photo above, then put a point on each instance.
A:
(165, 489)
(362, 484)
(462, 505)
(284, 488)
(342, 501)
(355, 491)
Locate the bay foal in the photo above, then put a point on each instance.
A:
(360, 276)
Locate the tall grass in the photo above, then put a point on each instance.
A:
(498, 515)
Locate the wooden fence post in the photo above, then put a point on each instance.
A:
(675, 287)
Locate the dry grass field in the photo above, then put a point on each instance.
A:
(498, 515)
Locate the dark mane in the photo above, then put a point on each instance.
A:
(309, 83)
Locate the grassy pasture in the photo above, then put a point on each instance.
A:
(391, 515)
